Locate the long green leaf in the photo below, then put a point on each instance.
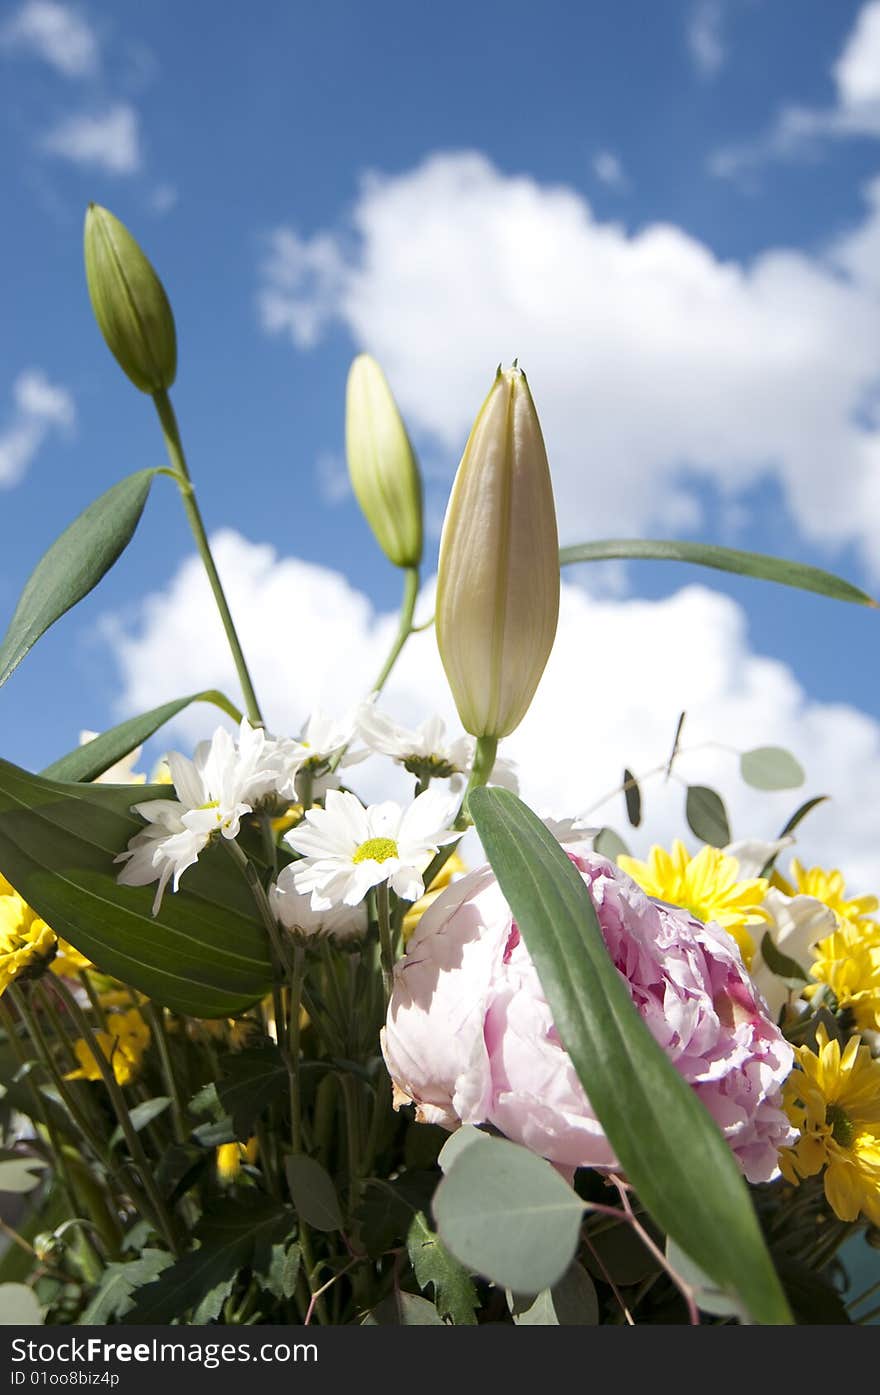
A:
(204, 954)
(91, 760)
(74, 565)
(723, 559)
(670, 1148)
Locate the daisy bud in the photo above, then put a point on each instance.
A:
(129, 302)
(498, 578)
(382, 465)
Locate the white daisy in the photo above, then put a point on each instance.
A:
(215, 789)
(294, 911)
(426, 751)
(324, 742)
(347, 848)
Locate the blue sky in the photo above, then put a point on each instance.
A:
(616, 192)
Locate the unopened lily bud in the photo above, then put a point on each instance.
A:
(498, 580)
(382, 464)
(129, 302)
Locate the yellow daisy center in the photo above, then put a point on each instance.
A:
(843, 1130)
(376, 850)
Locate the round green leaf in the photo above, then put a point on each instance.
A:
(707, 816)
(19, 1307)
(770, 768)
(313, 1192)
(572, 1302)
(506, 1213)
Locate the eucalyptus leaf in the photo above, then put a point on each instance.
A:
(464, 1137)
(707, 816)
(770, 768)
(724, 559)
(74, 565)
(572, 1302)
(633, 796)
(20, 1174)
(19, 1306)
(706, 1293)
(609, 844)
(506, 1213)
(205, 953)
(403, 1310)
(669, 1147)
(313, 1192)
(90, 760)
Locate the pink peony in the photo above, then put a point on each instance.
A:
(470, 1039)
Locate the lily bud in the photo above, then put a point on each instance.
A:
(382, 465)
(129, 302)
(498, 580)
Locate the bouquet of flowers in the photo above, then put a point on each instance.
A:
(271, 1054)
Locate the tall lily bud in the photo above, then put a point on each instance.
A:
(129, 302)
(498, 582)
(382, 465)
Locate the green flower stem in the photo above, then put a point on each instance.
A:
(174, 447)
(297, 976)
(386, 939)
(484, 763)
(161, 1217)
(405, 629)
(172, 1084)
(68, 1098)
(93, 998)
(92, 1265)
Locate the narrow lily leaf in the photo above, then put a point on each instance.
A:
(89, 761)
(74, 565)
(770, 768)
(204, 954)
(801, 813)
(722, 559)
(668, 1145)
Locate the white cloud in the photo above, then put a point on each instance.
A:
(653, 363)
(705, 37)
(619, 675)
(108, 140)
(58, 34)
(39, 407)
(798, 130)
(334, 484)
(163, 199)
(609, 170)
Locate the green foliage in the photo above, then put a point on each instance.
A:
(781, 965)
(669, 1147)
(236, 1235)
(74, 565)
(633, 796)
(115, 1295)
(725, 559)
(707, 816)
(572, 1302)
(403, 1310)
(205, 953)
(250, 1081)
(506, 1213)
(454, 1294)
(19, 1306)
(313, 1192)
(770, 768)
(89, 761)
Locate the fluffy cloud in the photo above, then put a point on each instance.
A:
(58, 34)
(704, 35)
(652, 361)
(797, 129)
(108, 140)
(39, 407)
(619, 675)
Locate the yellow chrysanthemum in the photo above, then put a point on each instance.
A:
(848, 962)
(453, 867)
(123, 1045)
(834, 1101)
(68, 961)
(830, 889)
(27, 944)
(705, 885)
(230, 1157)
